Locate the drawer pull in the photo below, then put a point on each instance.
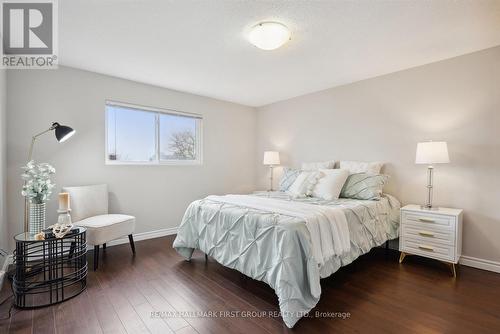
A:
(426, 234)
(427, 248)
(426, 220)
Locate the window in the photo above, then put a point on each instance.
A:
(143, 135)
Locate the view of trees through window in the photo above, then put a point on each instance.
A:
(177, 137)
(141, 135)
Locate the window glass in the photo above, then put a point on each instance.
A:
(146, 135)
(178, 137)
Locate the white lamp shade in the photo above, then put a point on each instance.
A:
(433, 152)
(271, 158)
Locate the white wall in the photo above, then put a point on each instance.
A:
(156, 195)
(456, 100)
(3, 164)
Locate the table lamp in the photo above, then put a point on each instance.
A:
(271, 159)
(430, 153)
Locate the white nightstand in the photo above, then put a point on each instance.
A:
(435, 234)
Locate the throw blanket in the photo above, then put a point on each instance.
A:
(327, 225)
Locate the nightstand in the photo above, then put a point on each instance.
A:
(49, 271)
(435, 234)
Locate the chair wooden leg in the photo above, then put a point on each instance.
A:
(104, 246)
(96, 257)
(206, 258)
(131, 240)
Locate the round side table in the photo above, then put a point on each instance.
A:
(49, 271)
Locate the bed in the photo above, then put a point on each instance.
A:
(276, 247)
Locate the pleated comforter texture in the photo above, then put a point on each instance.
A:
(276, 248)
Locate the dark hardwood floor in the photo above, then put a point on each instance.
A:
(380, 295)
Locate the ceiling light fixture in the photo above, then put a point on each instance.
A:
(269, 35)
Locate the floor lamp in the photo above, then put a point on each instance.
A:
(62, 133)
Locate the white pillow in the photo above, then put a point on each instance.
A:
(355, 167)
(304, 183)
(318, 165)
(330, 185)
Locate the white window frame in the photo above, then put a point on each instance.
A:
(157, 112)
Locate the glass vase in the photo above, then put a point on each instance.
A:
(37, 217)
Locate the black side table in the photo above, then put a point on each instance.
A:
(49, 271)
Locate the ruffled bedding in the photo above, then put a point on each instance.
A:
(276, 248)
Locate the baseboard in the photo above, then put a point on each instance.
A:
(480, 263)
(468, 261)
(8, 260)
(145, 236)
(393, 244)
(464, 260)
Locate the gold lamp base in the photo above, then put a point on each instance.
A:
(432, 208)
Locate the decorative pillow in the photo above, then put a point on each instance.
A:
(355, 167)
(318, 165)
(288, 178)
(304, 184)
(364, 186)
(330, 185)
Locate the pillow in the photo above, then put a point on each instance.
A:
(304, 184)
(355, 167)
(330, 185)
(289, 176)
(364, 186)
(318, 165)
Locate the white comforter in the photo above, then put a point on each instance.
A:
(274, 245)
(327, 225)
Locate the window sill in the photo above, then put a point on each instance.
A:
(153, 163)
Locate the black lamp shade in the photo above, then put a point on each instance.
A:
(63, 132)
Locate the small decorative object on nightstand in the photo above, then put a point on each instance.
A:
(432, 234)
(64, 210)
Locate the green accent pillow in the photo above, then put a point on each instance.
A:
(364, 186)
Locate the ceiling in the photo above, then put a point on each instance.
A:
(200, 46)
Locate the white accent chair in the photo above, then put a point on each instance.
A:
(89, 208)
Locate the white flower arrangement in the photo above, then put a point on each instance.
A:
(38, 186)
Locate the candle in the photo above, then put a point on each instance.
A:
(63, 201)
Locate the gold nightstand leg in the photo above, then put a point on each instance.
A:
(402, 257)
(454, 270)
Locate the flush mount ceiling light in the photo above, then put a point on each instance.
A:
(269, 35)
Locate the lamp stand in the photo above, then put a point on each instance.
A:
(30, 154)
(430, 177)
(271, 177)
